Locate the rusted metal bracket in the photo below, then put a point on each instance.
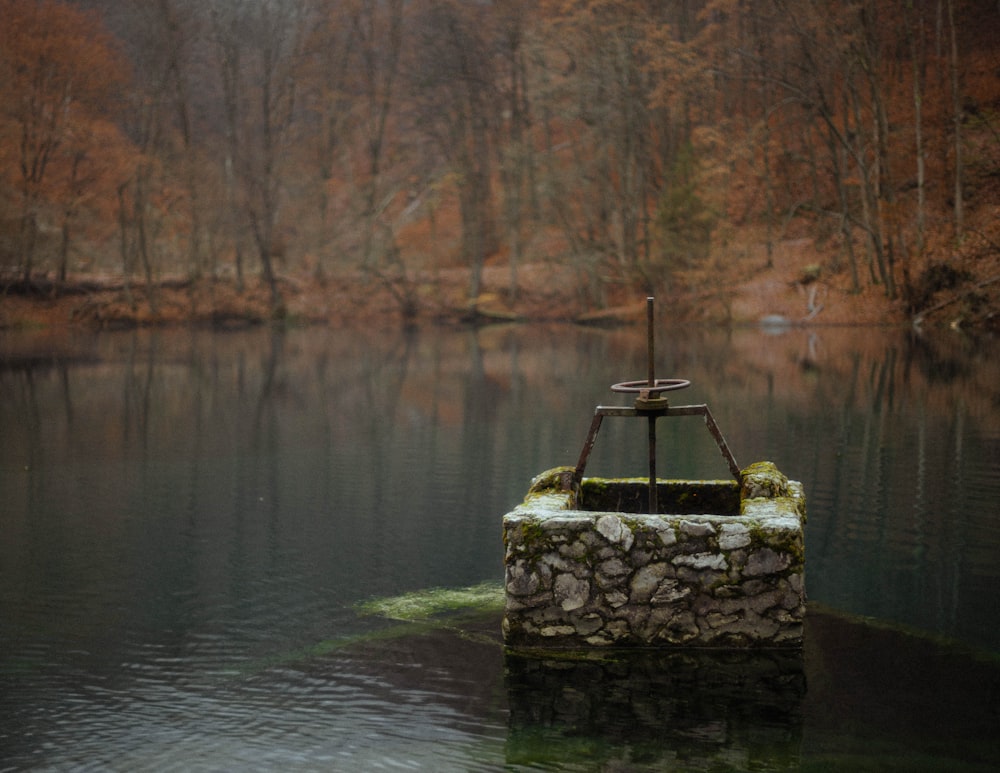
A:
(651, 403)
(680, 410)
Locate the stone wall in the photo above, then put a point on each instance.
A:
(577, 578)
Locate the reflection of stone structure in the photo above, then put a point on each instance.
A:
(704, 710)
(725, 567)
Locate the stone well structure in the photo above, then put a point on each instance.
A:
(721, 564)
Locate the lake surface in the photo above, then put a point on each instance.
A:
(189, 520)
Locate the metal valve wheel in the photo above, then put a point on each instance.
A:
(649, 394)
(659, 385)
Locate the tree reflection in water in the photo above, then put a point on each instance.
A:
(178, 506)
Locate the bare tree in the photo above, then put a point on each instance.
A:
(956, 109)
(515, 149)
(454, 84)
(226, 19)
(378, 30)
(913, 16)
(178, 29)
(271, 37)
(328, 99)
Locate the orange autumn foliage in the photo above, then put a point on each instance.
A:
(59, 73)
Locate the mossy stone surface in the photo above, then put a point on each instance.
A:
(586, 566)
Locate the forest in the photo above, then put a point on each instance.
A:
(541, 156)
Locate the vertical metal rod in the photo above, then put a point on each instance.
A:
(651, 419)
(650, 359)
(654, 505)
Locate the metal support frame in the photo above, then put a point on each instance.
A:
(651, 404)
(681, 410)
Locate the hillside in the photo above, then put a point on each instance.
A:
(438, 162)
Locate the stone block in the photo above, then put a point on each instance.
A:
(579, 577)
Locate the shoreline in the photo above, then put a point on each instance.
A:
(772, 299)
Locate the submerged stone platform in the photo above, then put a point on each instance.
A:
(722, 564)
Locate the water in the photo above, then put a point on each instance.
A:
(189, 520)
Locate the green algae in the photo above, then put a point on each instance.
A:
(413, 614)
(425, 605)
(328, 647)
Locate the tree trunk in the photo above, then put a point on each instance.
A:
(956, 103)
(915, 38)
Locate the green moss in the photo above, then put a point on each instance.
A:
(330, 646)
(532, 533)
(417, 613)
(787, 542)
(597, 485)
(763, 479)
(551, 480)
(426, 604)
